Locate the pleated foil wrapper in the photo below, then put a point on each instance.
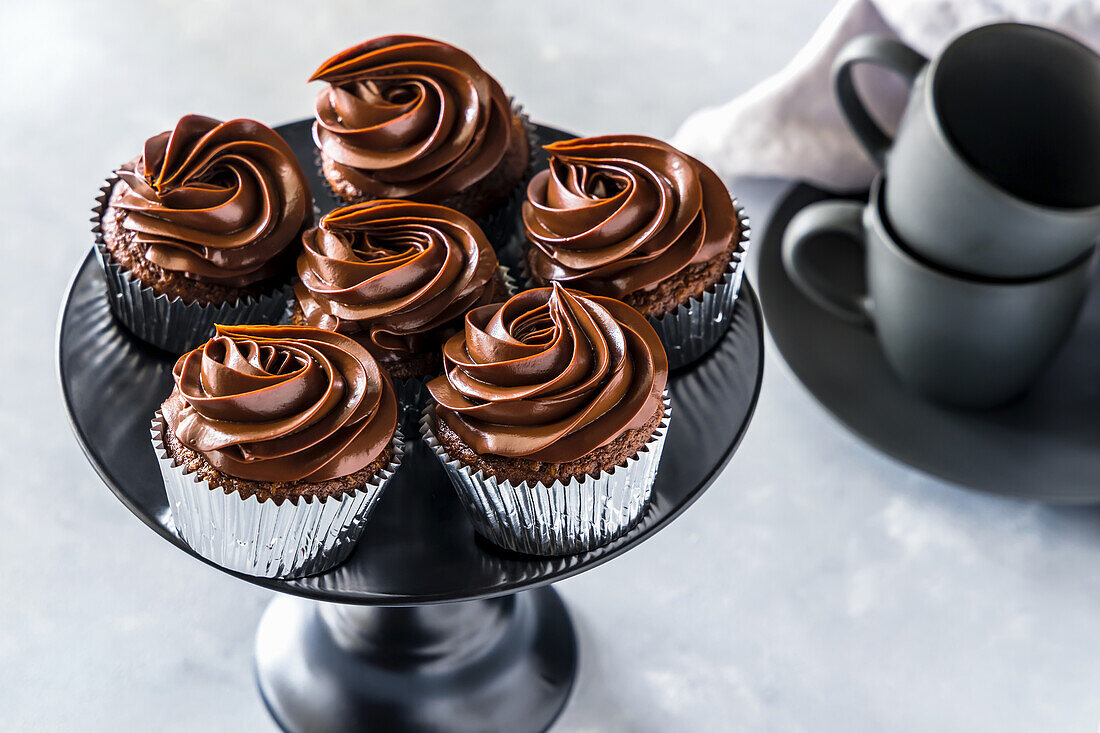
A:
(262, 538)
(696, 326)
(562, 518)
(170, 323)
(510, 284)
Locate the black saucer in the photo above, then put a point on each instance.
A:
(1044, 446)
(501, 655)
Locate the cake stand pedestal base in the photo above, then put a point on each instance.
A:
(502, 664)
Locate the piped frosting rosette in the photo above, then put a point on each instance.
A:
(633, 218)
(398, 277)
(392, 273)
(275, 445)
(550, 419)
(216, 203)
(412, 117)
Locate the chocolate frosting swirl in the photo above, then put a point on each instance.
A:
(282, 403)
(411, 117)
(394, 271)
(551, 375)
(621, 213)
(216, 201)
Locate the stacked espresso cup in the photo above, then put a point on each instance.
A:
(979, 235)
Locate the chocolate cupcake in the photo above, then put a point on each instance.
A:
(275, 445)
(632, 218)
(551, 418)
(397, 276)
(414, 118)
(198, 229)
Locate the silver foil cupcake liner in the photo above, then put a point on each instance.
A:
(563, 518)
(170, 323)
(262, 538)
(510, 284)
(696, 326)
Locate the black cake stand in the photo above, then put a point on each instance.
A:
(426, 626)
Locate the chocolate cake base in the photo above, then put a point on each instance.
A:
(475, 201)
(277, 491)
(690, 282)
(130, 254)
(518, 470)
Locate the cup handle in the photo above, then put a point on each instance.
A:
(882, 51)
(811, 225)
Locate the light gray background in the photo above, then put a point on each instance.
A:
(817, 586)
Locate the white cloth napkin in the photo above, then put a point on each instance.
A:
(789, 125)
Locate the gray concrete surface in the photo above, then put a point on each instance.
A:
(818, 586)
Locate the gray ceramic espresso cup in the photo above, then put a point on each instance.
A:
(958, 341)
(995, 168)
